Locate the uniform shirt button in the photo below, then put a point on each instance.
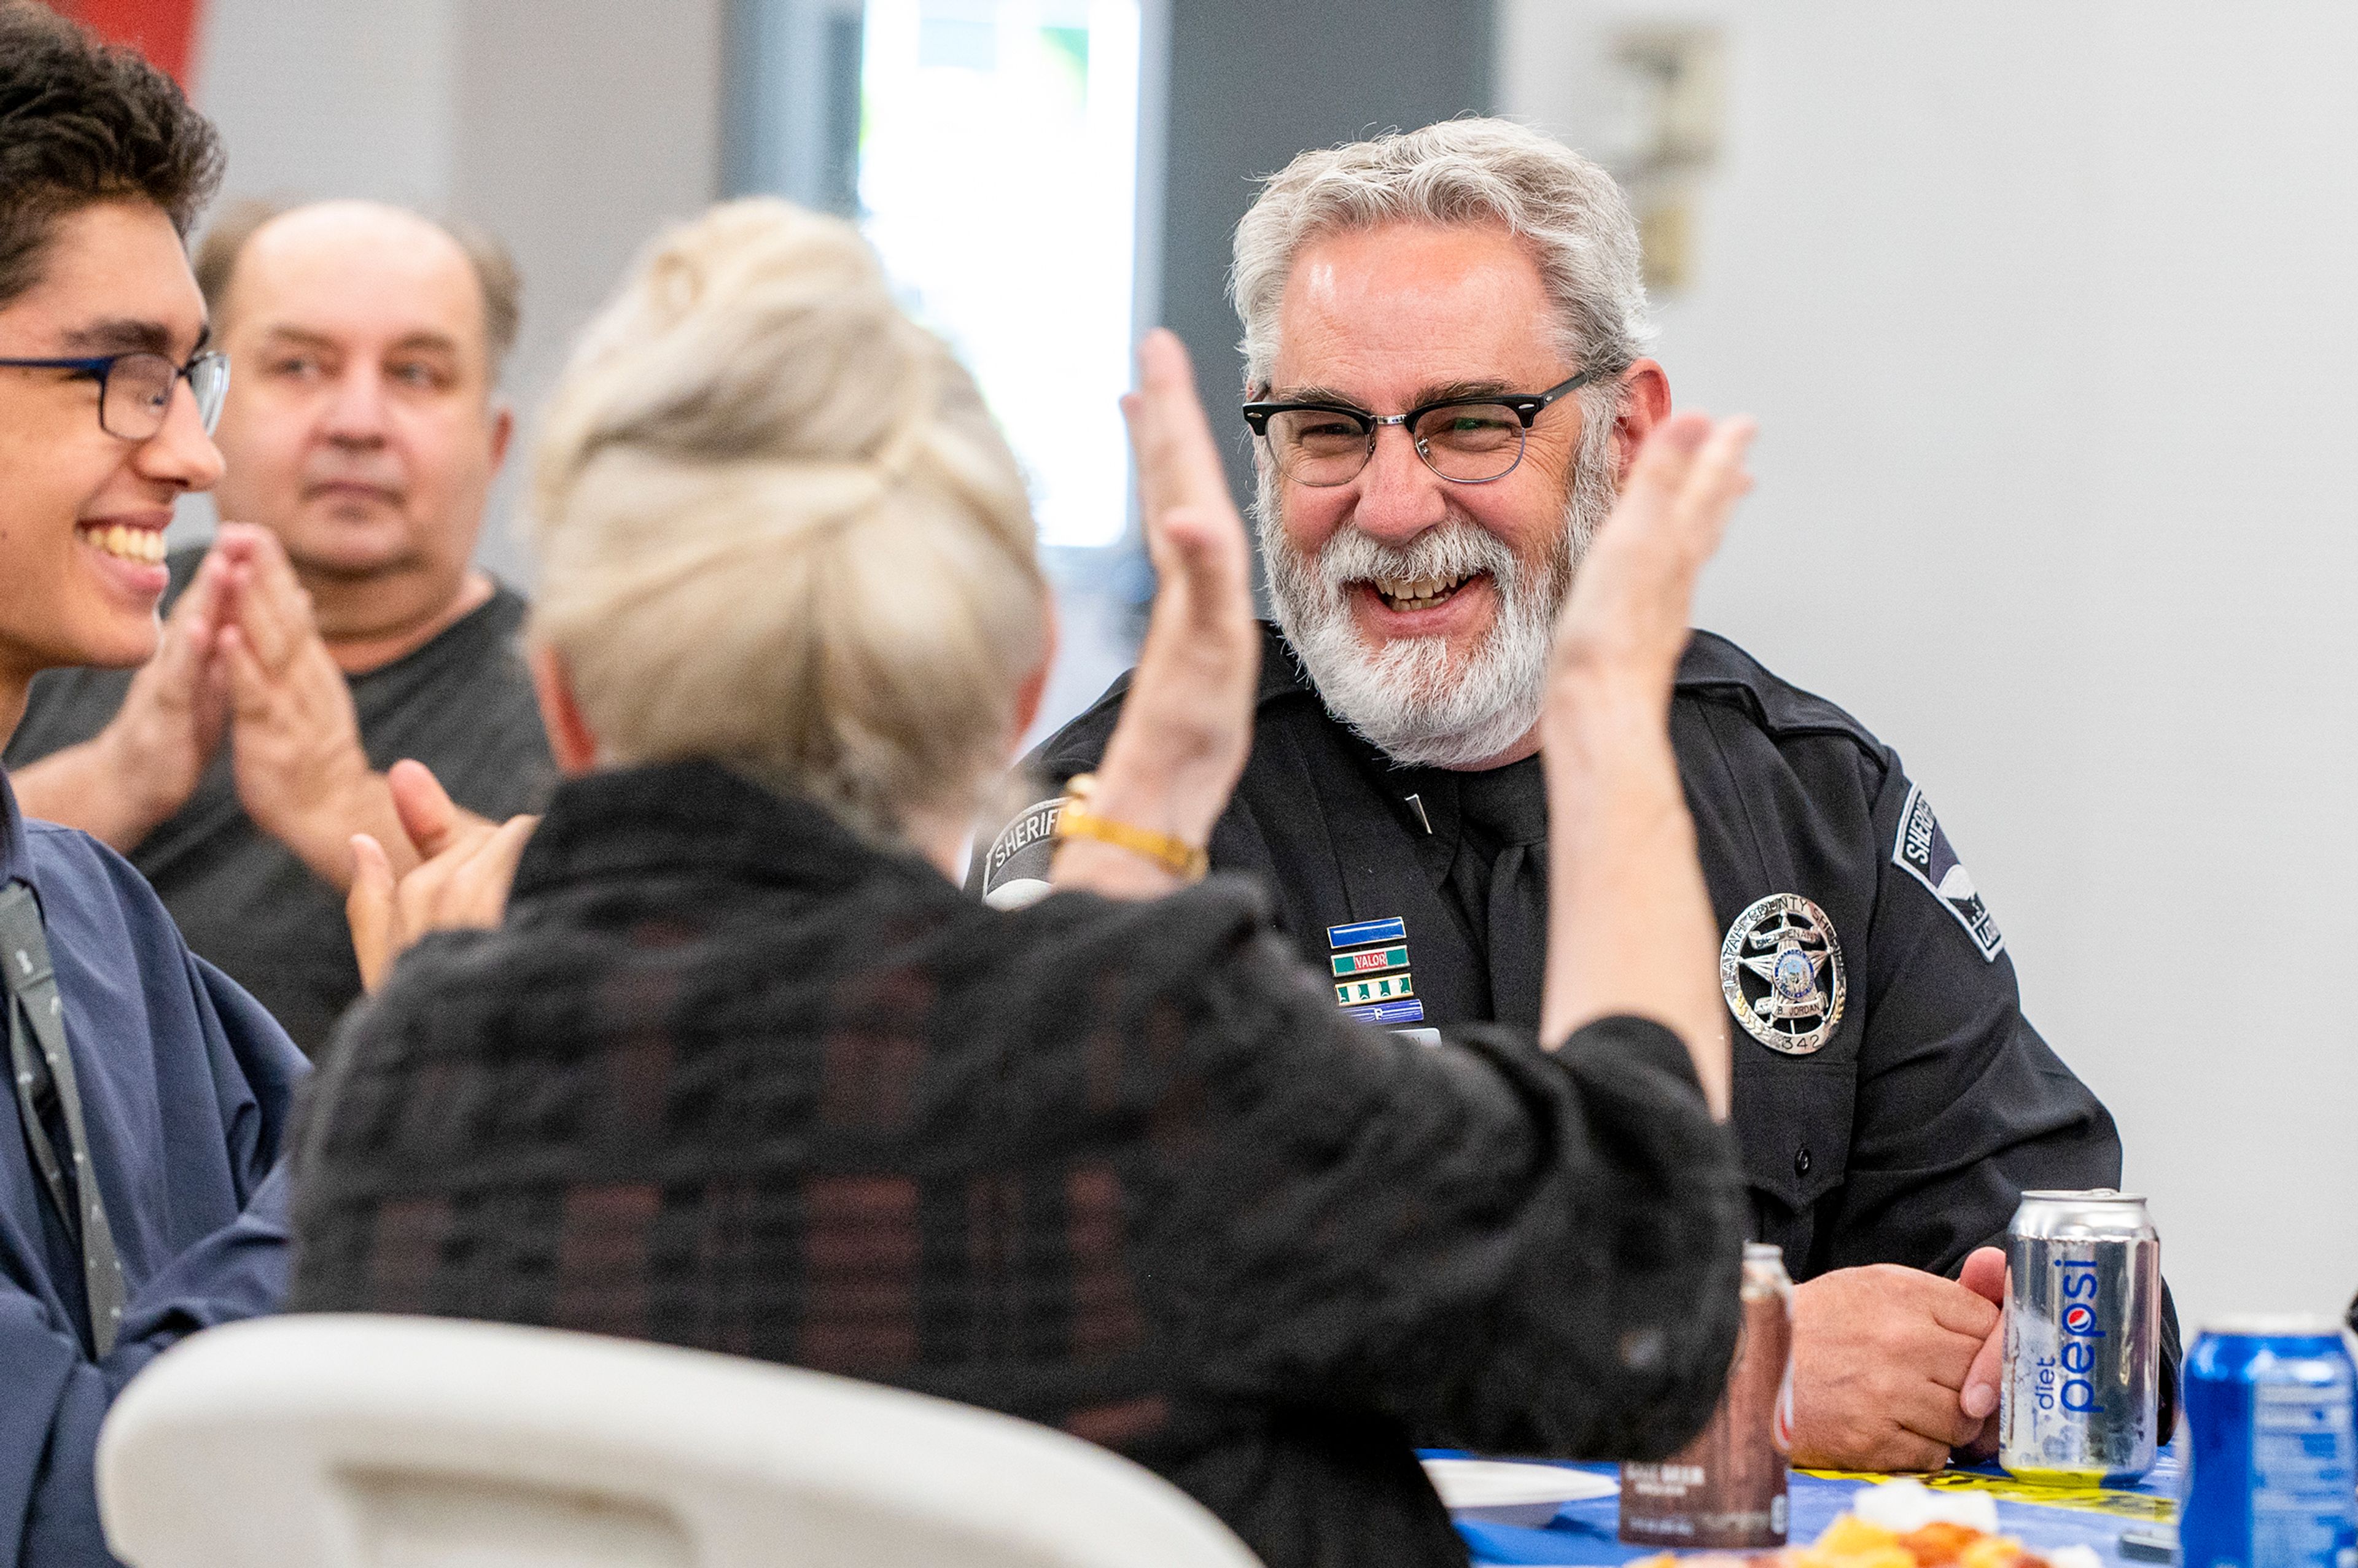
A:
(1802, 1161)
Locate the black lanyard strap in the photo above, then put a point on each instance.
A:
(43, 1070)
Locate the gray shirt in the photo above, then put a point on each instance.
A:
(463, 704)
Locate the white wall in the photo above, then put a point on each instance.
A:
(2048, 314)
(573, 129)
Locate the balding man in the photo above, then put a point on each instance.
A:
(338, 622)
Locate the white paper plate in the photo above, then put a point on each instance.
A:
(1501, 1491)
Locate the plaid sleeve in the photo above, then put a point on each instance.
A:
(1499, 1246)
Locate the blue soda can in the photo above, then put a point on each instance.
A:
(2272, 1462)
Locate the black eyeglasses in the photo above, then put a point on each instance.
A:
(134, 391)
(1468, 440)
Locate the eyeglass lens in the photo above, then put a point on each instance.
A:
(138, 396)
(1468, 442)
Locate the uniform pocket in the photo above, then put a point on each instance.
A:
(1793, 1126)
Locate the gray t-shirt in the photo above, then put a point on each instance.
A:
(463, 704)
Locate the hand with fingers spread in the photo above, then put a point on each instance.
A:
(296, 749)
(1882, 1356)
(1186, 725)
(461, 866)
(1633, 932)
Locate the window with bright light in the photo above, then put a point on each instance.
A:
(997, 179)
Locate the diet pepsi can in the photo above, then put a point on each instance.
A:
(2272, 1468)
(2081, 1391)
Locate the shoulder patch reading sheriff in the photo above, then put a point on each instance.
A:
(1922, 851)
(1015, 868)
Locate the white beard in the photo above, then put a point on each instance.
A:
(1407, 698)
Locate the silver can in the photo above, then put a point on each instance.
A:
(2082, 1393)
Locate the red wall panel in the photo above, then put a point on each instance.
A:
(163, 30)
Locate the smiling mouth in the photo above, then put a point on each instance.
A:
(142, 545)
(1411, 593)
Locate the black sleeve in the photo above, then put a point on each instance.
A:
(1498, 1246)
(1961, 1105)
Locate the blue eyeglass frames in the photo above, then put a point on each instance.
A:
(134, 389)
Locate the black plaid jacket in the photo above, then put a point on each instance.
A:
(731, 1077)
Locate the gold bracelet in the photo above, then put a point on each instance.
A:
(1174, 854)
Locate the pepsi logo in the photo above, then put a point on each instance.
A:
(2079, 1317)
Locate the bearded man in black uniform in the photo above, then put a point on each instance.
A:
(1444, 342)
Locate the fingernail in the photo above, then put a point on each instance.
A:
(1979, 1400)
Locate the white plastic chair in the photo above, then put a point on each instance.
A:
(362, 1441)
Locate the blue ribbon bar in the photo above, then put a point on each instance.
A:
(1388, 1013)
(1393, 930)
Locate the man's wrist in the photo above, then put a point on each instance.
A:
(318, 825)
(136, 806)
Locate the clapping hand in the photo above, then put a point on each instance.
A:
(1629, 608)
(170, 724)
(1186, 725)
(463, 867)
(1631, 929)
(296, 749)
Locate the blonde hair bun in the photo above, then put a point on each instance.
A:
(778, 528)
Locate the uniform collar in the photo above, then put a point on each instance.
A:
(1281, 675)
(1424, 799)
(15, 855)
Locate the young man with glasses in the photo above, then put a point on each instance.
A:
(336, 625)
(148, 1092)
(1445, 338)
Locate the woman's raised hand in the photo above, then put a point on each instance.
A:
(1631, 929)
(1631, 603)
(1176, 754)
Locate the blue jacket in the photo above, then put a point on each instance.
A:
(186, 1085)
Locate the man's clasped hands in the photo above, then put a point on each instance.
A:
(243, 664)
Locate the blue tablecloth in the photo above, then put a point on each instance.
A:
(1586, 1532)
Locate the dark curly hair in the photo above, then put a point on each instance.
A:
(82, 123)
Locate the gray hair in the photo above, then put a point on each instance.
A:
(1460, 171)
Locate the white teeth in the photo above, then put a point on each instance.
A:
(1417, 593)
(144, 545)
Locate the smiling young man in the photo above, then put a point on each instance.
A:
(336, 625)
(148, 1092)
(1444, 337)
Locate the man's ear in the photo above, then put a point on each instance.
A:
(503, 432)
(1034, 689)
(569, 738)
(1644, 402)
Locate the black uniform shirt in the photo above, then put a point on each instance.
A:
(1906, 1136)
